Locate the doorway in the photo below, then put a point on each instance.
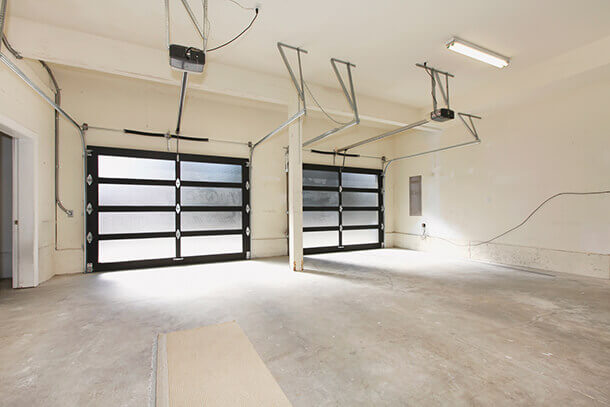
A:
(6, 210)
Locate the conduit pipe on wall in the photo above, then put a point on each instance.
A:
(57, 92)
(58, 202)
(59, 110)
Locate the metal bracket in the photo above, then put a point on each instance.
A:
(177, 208)
(89, 238)
(248, 231)
(349, 96)
(178, 183)
(437, 82)
(471, 127)
(178, 234)
(89, 209)
(299, 86)
(247, 208)
(89, 179)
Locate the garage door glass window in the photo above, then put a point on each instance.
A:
(342, 209)
(148, 209)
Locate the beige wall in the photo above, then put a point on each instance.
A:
(21, 105)
(116, 102)
(556, 142)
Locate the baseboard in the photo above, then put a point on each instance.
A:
(579, 263)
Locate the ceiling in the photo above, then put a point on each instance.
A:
(384, 38)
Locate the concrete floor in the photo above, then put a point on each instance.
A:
(385, 327)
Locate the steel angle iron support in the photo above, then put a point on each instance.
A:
(437, 114)
(299, 85)
(350, 96)
(472, 130)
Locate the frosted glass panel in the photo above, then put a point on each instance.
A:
(320, 178)
(136, 222)
(320, 198)
(320, 239)
(210, 220)
(357, 180)
(360, 199)
(360, 218)
(136, 195)
(140, 168)
(111, 251)
(320, 218)
(209, 172)
(210, 196)
(206, 245)
(363, 236)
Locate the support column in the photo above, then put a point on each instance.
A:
(295, 194)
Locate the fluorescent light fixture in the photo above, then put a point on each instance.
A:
(474, 51)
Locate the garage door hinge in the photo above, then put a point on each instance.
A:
(247, 208)
(89, 179)
(89, 238)
(247, 184)
(178, 183)
(89, 209)
(248, 231)
(178, 234)
(177, 208)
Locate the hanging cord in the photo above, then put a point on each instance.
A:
(524, 220)
(434, 101)
(242, 6)
(238, 35)
(12, 50)
(321, 108)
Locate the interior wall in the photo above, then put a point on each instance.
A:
(117, 102)
(19, 104)
(555, 142)
(6, 206)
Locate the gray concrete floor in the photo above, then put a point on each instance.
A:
(384, 327)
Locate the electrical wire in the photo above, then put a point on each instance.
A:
(238, 35)
(242, 6)
(524, 220)
(321, 108)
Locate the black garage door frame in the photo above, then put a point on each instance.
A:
(93, 209)
(341, 208)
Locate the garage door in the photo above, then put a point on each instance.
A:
(342, 209)
(153, 209)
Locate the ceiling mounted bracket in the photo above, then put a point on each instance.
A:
(350, 96)
(444, 113)
(299, 85)
(470, 124)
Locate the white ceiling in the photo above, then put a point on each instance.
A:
(384, 38)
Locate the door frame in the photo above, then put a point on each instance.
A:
(25, 202)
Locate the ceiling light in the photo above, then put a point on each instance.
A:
(474, 51)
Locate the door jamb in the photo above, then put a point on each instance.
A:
(25, 202)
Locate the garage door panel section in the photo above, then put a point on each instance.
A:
(342, 209)
(142, 213)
